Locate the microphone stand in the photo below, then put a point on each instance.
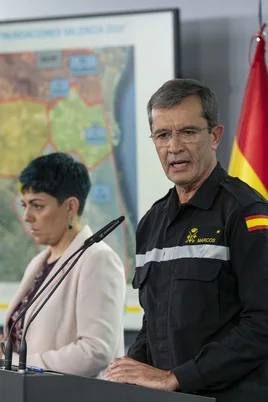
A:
(23, 345)
(89, 242)
(9, 348)
(98, 236)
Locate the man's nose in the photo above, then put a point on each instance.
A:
(175, 144)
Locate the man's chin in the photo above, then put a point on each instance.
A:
(181, 179)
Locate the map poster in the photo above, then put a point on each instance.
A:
(80, 85)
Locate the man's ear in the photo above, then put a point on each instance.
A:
(216, 133)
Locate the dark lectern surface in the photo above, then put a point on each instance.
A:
(53, 387)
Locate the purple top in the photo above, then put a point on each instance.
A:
(38, 280)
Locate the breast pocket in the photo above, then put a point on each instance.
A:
(195, 293)
(140, 282)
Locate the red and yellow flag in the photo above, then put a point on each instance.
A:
(257, 222)
(249, 158)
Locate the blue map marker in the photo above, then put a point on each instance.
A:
(83, 64)
(101, 194)
(95, 135)
(59, 88)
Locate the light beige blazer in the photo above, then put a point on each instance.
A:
(80, 329)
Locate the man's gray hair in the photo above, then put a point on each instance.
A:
(173, 92)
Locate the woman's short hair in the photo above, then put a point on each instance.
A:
(59, 175)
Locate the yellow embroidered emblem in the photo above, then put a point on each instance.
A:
(192, 235)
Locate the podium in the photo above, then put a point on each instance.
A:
(57, 387)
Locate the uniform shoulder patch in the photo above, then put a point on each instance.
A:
(256, 222)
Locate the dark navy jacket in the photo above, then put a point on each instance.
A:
(202, 274)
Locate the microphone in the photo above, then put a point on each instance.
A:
(95, 238)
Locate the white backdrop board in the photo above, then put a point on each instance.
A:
(80, 85)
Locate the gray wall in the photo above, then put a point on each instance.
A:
(215, 38)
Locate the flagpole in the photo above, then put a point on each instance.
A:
(260, 14)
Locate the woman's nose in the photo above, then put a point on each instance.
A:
(27, 216)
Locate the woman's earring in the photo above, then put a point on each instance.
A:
(69, 225)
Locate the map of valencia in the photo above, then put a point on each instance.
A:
(64, 100)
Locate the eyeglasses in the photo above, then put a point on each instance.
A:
(186, 135)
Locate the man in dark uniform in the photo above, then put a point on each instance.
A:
(202, 263)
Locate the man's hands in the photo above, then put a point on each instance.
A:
(127, 370)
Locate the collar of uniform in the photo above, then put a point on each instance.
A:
(171, 206)
(204, 196)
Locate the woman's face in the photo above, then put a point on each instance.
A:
(47, 218)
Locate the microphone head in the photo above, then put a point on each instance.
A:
(109, 228)
(120, 219)
(104, 231)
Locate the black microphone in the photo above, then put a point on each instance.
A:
(97, 237)
(91, 240)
